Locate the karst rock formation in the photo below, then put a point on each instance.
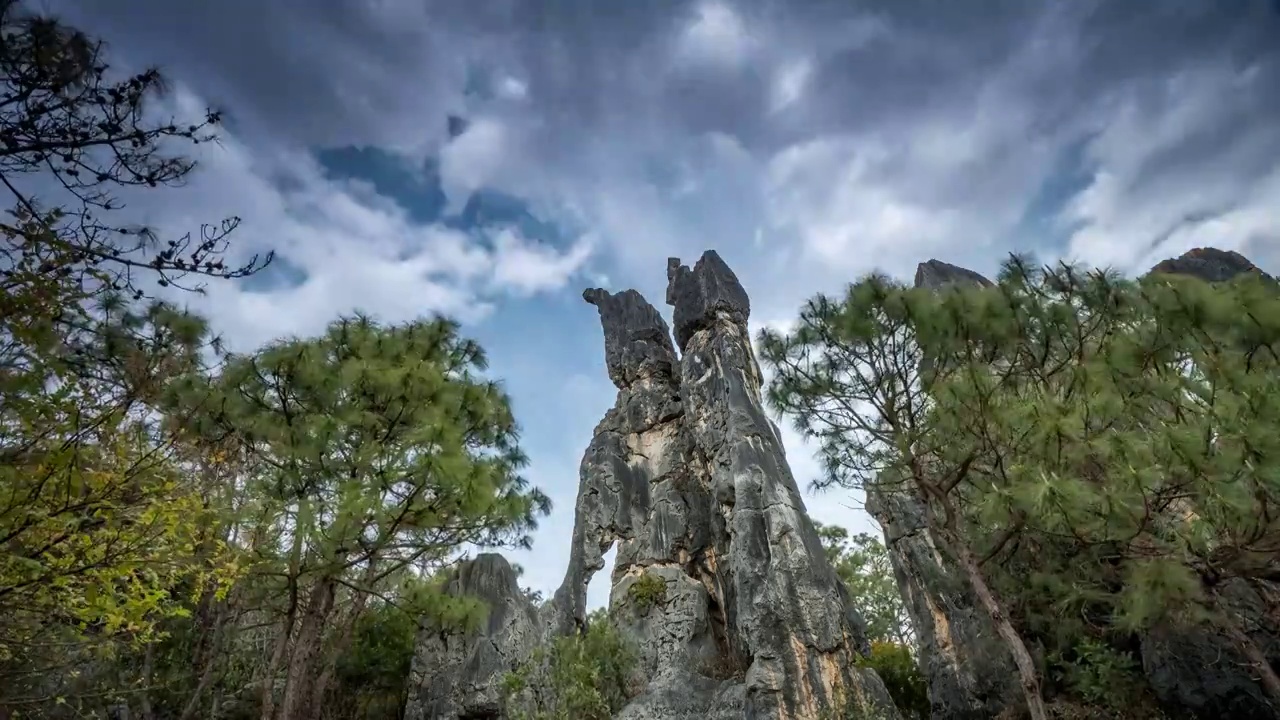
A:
(686, 475)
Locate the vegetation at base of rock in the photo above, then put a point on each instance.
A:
(1122, 434)
(899, 671)
(862, 564)
(1098, 674)
(647, 592)
(585, 676)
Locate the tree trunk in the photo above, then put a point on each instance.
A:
(1028, 676)
(1264, 674)
(209, 664)
(345, 637)
(307, 650)
(148, 671)
(268, 704)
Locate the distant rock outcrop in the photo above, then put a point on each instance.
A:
(459, 675)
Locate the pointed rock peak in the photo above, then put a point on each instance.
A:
(1208, 264)
(697, 295)
(637, 341)
(935, 274)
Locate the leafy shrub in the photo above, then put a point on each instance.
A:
(647, 591)
(901, 676)
(371, 675)
(586, 676)
(1099, 674)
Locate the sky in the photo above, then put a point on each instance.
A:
(490, 159)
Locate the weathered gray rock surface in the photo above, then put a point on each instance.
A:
(459, 675)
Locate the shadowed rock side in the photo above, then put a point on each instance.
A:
(968, 671)
(459, 675)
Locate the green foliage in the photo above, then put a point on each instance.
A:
(1059, 414)
(371, 453)
(101, 525)
(862, 563)
(897, 668)
(372, 675)
(104, 527)
(1099, 674)
(647, 591)
(379, 442)
(585, 676)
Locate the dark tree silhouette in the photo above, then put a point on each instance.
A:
(84, 132)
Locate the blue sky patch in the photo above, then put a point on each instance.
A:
(280, 274)
(416, 190)
(1042, 230)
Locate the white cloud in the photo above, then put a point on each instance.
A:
(528, 267)
(474, 159)
(358, 249)
(717, 33)
(830, 192)
(512, 88)
(790, 82)
(1135, 212)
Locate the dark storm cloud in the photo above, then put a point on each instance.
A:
(348, 71)
(956, 110)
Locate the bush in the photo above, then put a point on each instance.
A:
(1099, 674)
(586, 676)
(901, 676)
(647, 591)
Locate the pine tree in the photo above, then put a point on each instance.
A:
(1135, 420)
(376, 451)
